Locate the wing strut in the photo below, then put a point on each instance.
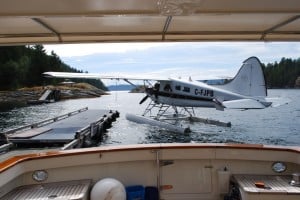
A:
(126, 80)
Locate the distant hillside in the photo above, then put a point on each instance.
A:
(22, 66)
(122, 87)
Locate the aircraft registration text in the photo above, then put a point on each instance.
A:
(203, 92)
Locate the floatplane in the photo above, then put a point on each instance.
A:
(189, 171)
(247, 90)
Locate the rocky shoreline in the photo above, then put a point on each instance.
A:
(22, 96)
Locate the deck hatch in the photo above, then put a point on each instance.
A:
(273, 184)
(60, 190)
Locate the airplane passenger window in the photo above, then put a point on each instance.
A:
(186, 89)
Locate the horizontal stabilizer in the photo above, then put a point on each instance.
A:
(278, 101)
(245, 104)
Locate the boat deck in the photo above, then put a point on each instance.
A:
(270, 186)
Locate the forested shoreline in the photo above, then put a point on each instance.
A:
(22, 66)
(283, 74)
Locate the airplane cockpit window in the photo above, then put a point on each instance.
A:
(167, 88)
(156, 86)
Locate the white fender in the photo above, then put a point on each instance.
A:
(108, 189)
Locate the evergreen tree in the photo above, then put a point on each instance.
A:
(282, 74)
(22, 66)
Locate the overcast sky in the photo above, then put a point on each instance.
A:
(200, 60)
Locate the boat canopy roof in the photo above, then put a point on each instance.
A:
(79, 21)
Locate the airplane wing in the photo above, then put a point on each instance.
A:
(101, 76)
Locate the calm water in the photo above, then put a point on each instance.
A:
(278, 126)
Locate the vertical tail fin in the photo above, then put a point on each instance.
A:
(250, 80)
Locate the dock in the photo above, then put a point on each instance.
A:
(78, 129)
(48, 96)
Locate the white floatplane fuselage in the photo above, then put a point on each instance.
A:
(177, 92)
(247, 90)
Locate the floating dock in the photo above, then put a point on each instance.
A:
(81, 128)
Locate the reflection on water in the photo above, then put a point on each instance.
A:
(278, 126)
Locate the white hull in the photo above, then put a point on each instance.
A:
(182, 171)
